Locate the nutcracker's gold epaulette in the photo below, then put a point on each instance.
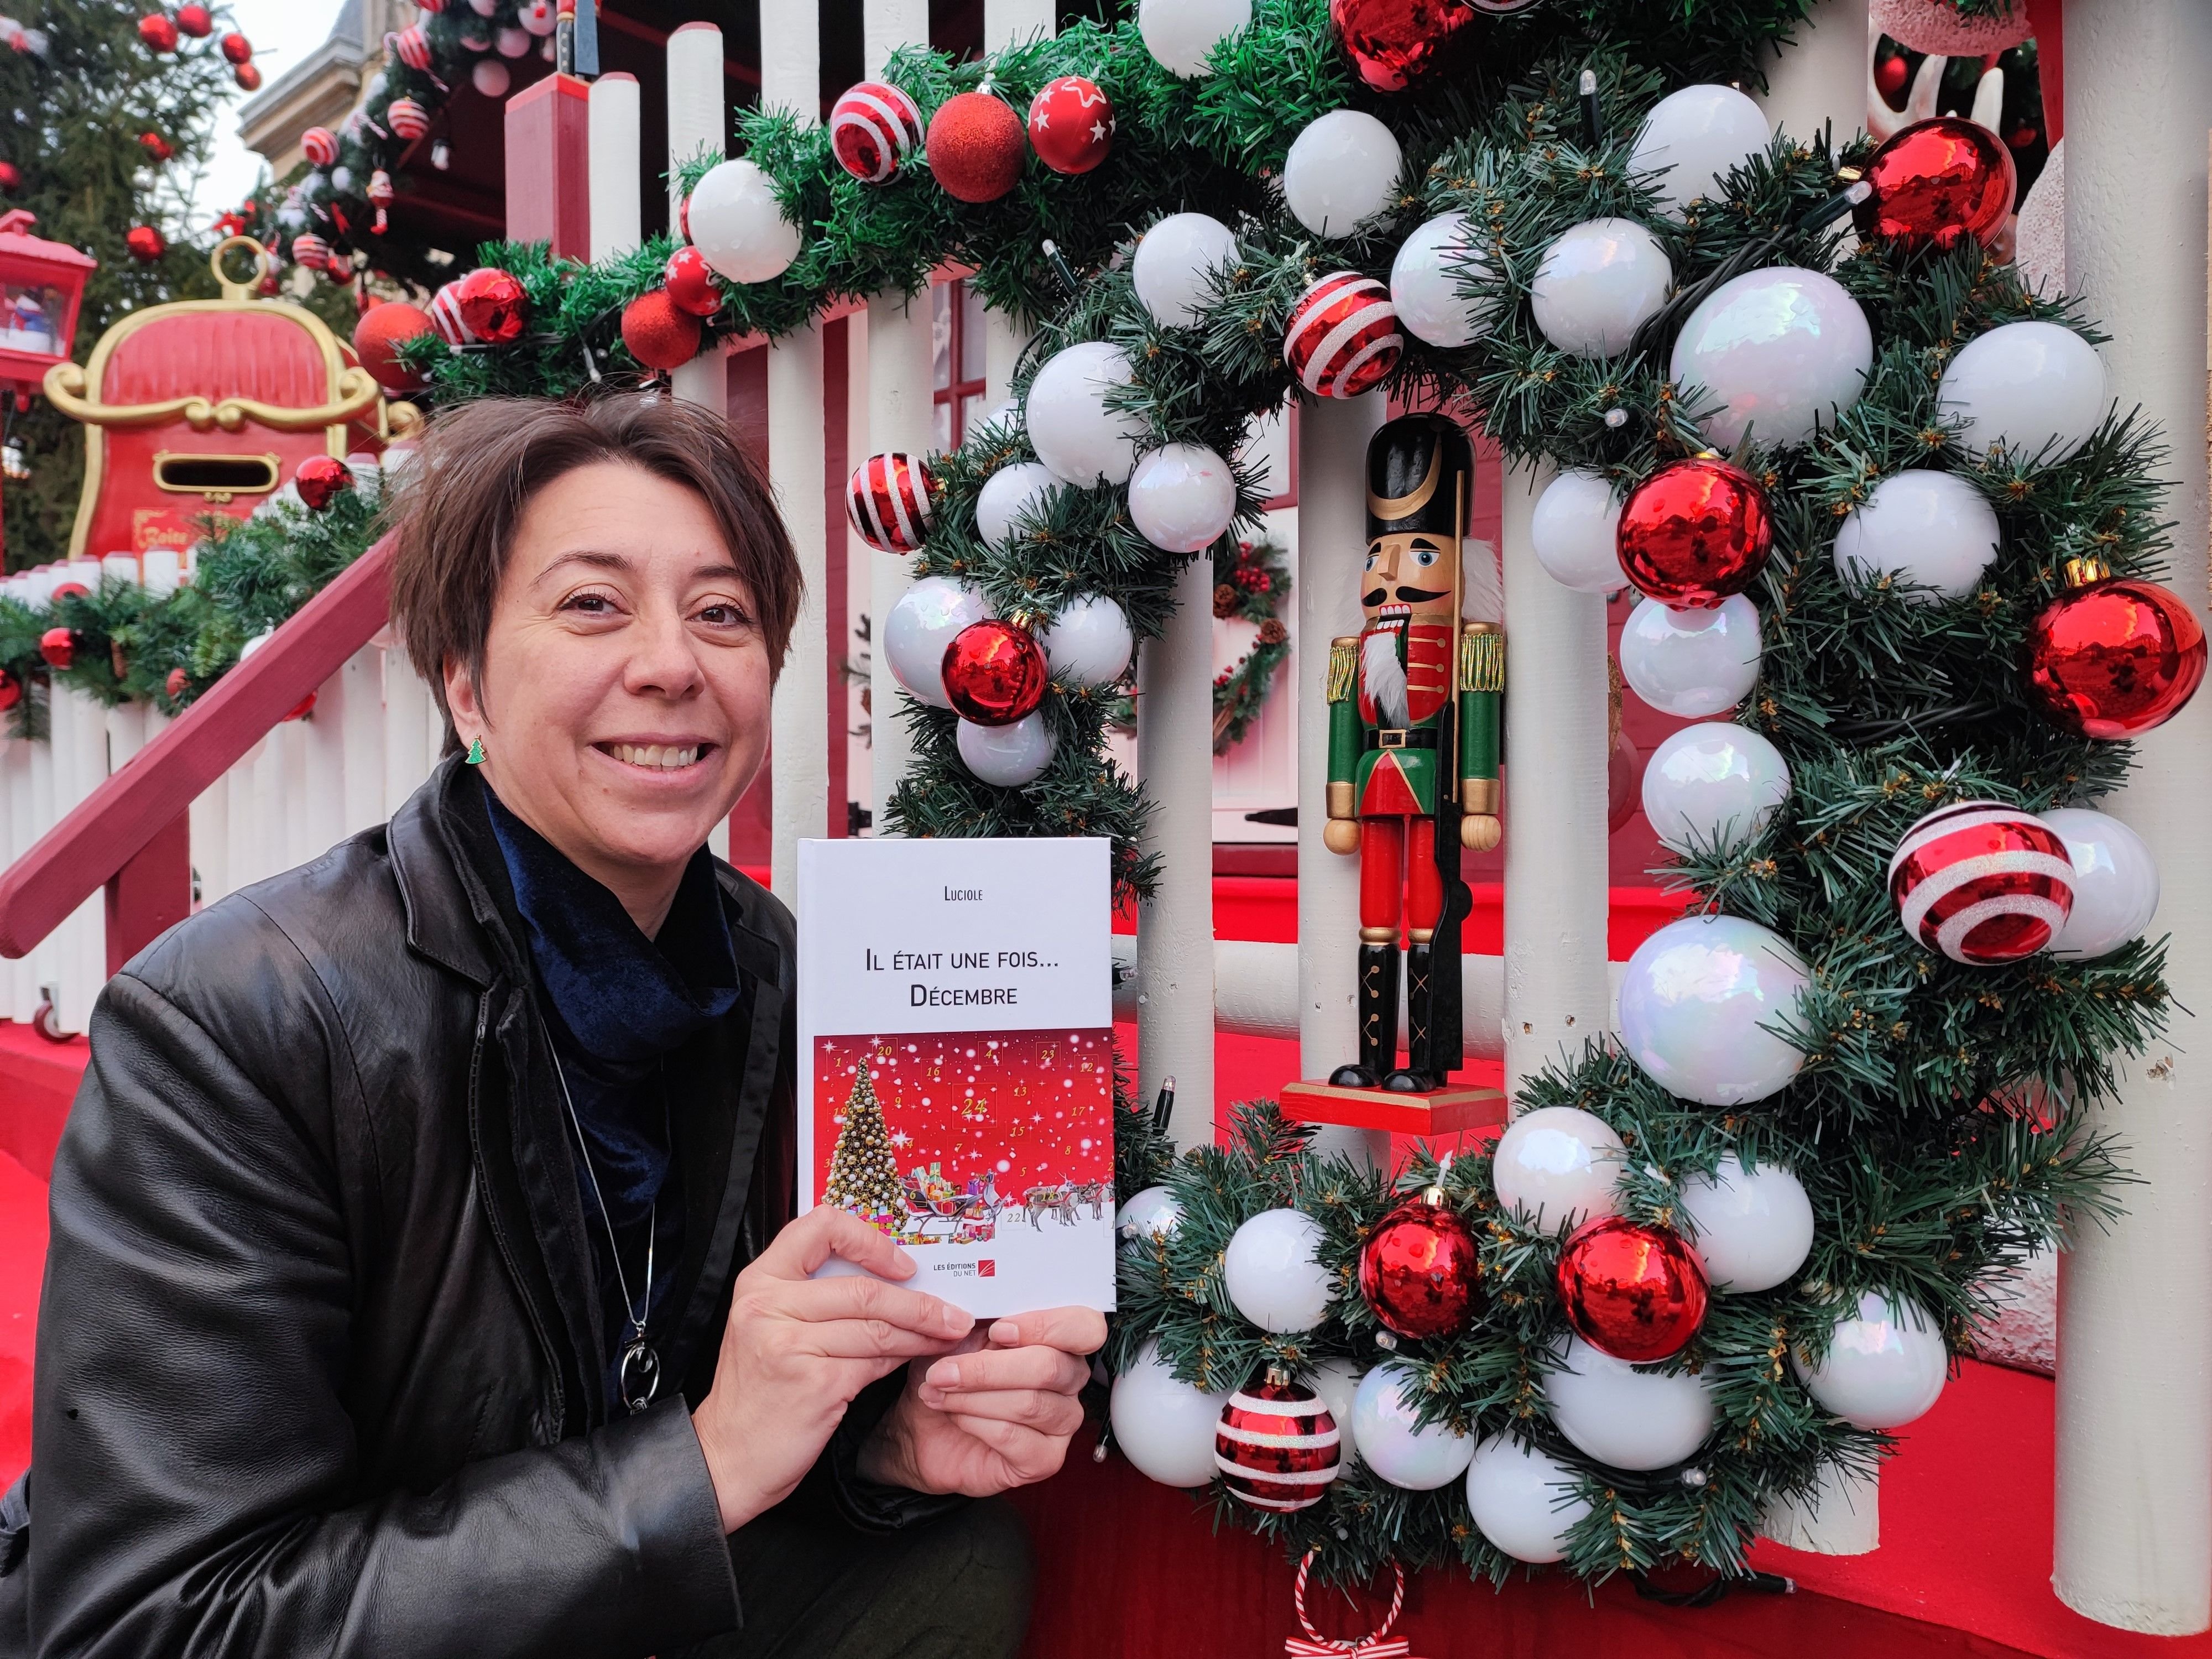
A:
(1481, 658)
(1343, 666)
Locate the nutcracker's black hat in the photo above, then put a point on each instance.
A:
(1420, 478)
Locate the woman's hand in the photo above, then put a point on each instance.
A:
(796, 1349)
(996, 1413)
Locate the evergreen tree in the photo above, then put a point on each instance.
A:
(864, 1175)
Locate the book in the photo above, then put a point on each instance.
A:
(955, 1061)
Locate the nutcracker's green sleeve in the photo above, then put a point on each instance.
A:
(1481, 707)
(1343, 724)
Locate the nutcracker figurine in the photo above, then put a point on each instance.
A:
(1413, 751)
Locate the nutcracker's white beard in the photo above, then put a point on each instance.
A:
(1383, 677)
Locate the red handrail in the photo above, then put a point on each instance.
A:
(136, 807)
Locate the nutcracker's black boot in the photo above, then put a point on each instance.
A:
(1418, 1075)
(1378, 1019)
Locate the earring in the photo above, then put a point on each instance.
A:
(476, 752)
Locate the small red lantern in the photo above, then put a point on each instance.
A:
(41, 284)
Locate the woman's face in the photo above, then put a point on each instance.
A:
(624, 703)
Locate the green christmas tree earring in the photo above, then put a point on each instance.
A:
(476, 752)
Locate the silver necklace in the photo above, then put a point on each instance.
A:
(639, 1374)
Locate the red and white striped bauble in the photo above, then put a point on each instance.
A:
(1278, 1447)
(874, 127)
(410, 46)
(1342, 338)
(888, 500)
(310, 250)
(1984, 882)
(409, 119)
(320, 145)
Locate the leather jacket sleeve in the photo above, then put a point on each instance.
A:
(198, 1482)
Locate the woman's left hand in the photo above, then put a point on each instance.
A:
(998, 1413)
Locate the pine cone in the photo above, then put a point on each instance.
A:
(1225, 600)
(1272, 632)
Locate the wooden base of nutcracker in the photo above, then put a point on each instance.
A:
(1439, 1112)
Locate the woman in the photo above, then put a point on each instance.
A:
(419, 1281)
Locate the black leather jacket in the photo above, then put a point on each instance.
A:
(319, 1369)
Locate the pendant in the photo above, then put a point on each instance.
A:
(640, 1375)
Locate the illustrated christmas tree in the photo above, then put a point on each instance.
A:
(864, 1174)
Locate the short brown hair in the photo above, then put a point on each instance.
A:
(461, 497)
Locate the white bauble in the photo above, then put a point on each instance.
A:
(1391, 1443)
(1624, 1418)
(1558, 1165)
(1341, 171)
(1694, 135)
(1007, 755)
(1151, 1212)
(1070, 427)
(1779, 350)
(1692, 663)
(1089, 643)
(490, 77)
(1426, 278)
(2037, 388)
(1597, 285)
(1573, 532)
(511, 42)
(1182, 497)
(2115, 883)
(1934, 529)
(1179, 33)
(1713, 786)
(738, 225)
(1885, 1367)
(1010, 493)
(1337, 1382)
(342, 179)
(1163, 1426)
(1753, 1230)
(1273, 1272)
(1694, 999)
(1523, 1501)
(1172, 262)
(921, 625)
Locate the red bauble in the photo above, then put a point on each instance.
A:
(237, 48)
(177, 685)
(318, 479)
(11, 177)
(407, 119)
(58, 647)
(976, 147)
(1635, 1292)
(994, 673)
(302, 708)
(155, 146)
(1393, 43)
(157, 29)
(247, 76)
(890, 501)
(487, 306)
(1419, 1269)
(1278, 1447)
(873, 127)
(196, 21)
(2112, 657)
(1938, 182)
(145, 243)
(1890, 75)
(660, 333)
(320, 145)
(1982, 882)
(1072, 125)
(1342, 338)
(310, 250)
(11, 690)
(691, 284)
(1695, 532)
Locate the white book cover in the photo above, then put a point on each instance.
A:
(955, 1060)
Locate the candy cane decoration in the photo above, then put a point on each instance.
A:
(1314, 1645)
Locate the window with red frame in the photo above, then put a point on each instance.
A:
(956, 328)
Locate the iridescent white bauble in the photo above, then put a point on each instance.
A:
(1713, 787)
(1337, 1382)
(490, 76)
(1149, 1213)
(1179, 33)
(1692, 663)
(2038, 388)
(1885, 1367)
(1007, 755)
(1753, 1229)
(1694, 135)
(1426, 278)
(738, 225)
(1597, 284)
(1779, 349)
(511, 42)
(2115, 883)
(1694, 1000)
(1624, 1418)
(1273, 1272)
(1089, 642)
(1933, 529)
(1341, 171)
(1523, 1501)
(1010, 493)
(1182, 497)
(1573, 532)
(1391, 1443)
(1172, 262)
(921, 624)
(1557, 1165)
(1070, 427)
(1163, 1426)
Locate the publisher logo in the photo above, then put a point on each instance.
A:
(986, 1269)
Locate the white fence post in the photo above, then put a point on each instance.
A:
(1006, 24)
(698, 119)
(613, 126)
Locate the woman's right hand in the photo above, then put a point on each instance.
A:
(796, 1349)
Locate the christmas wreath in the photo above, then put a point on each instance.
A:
(1250, 585)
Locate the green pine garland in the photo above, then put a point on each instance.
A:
(1250, 585)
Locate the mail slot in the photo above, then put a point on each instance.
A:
(218, 477)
